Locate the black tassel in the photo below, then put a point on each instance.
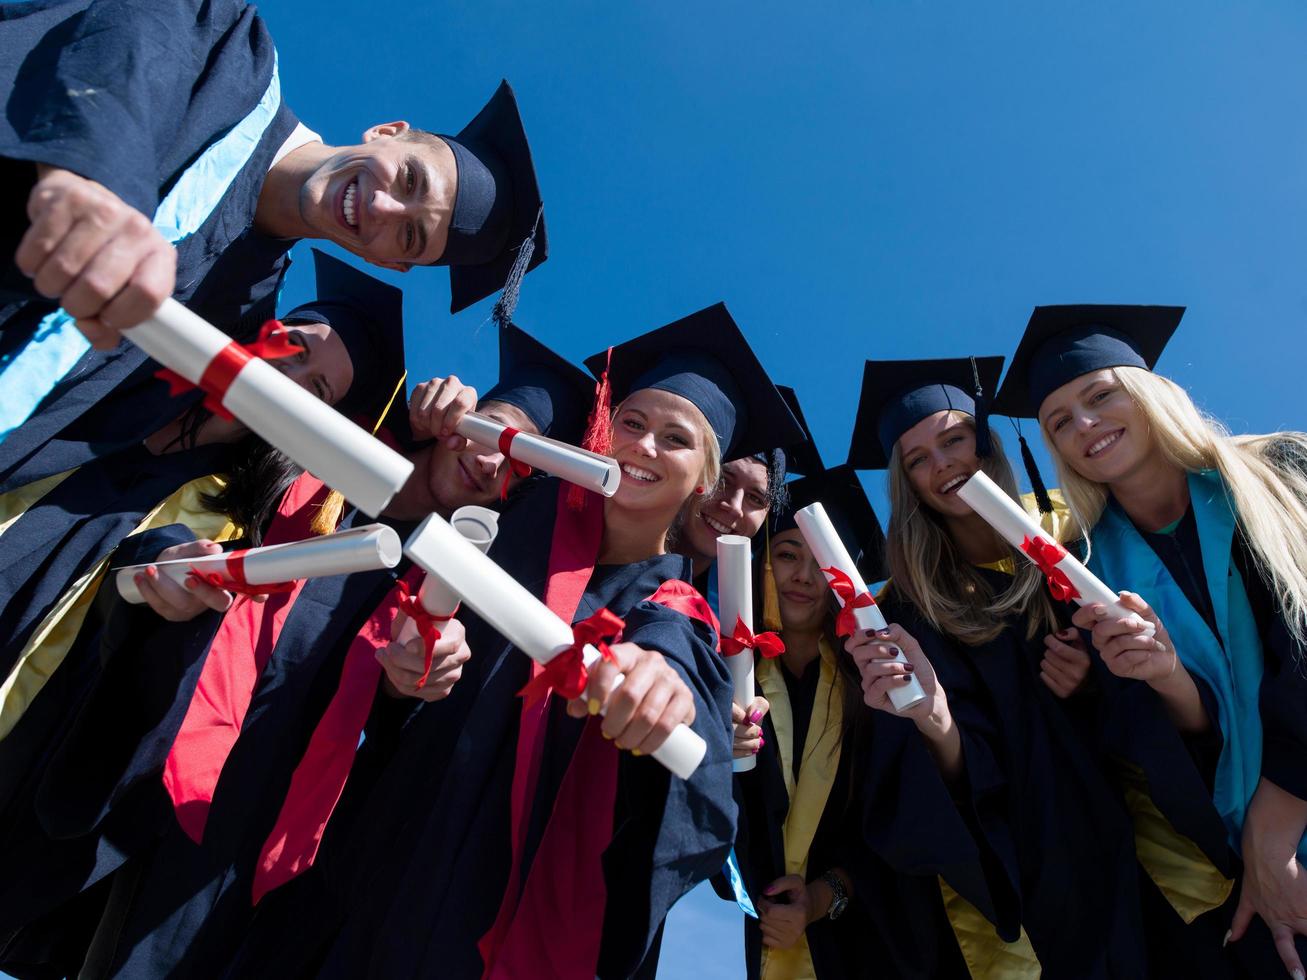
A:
(506, 305)
(984, 444)
(776, 489)
(1036, 481)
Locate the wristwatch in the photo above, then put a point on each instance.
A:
(839, 897)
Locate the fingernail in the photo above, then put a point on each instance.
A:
(152, 572)
(1299, 975)
(906, 678)
(605, 735)
(869, 633)
(1228, 934)
(909, 668)
(636, 752)
(755, 751)
(755, 716)
(592, 706)
(191, 581)
(762, 740)
(882, 632)
(139, 578)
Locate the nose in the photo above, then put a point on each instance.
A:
(646, 444)
(732, 503)
(807, 572)
(382, 205)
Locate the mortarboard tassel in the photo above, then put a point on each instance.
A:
(506, 305)
(598, 436)
(1036, 481)
(327, 519)
(771, 600)
(984, 443)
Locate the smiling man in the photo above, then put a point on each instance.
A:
(146, 152)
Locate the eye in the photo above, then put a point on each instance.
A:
(787, 555)
(676, 439)
(410, 236)
(1100, 395)
(633, 424)
(915, 461)
(952, 439)
(757, 500)
(1061, 421)
(410, 178)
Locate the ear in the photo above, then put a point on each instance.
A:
(385, 129)
(392, 266)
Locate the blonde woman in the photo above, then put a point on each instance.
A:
(1210, 533)
(999, 759)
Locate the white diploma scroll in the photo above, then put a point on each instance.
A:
(309, 431)
(479, 525)
(571, 463)
(1020, 530)
(360, 549)
(830, 552)
(520, 617)
(735, 603)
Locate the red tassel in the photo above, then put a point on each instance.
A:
(598, 436)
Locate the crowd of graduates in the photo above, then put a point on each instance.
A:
(274, 783)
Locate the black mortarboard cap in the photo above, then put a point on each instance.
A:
(1063, 342)
(840, 492)
(802, 457)
(368, 314)
(896, 395)
(550, 389)
(705, 359)
(497, 210)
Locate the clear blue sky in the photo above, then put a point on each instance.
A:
(861, 179)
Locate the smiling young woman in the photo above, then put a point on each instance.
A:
(1210, 531)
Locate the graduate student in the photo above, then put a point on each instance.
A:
(112, 209)
(800, 843)
(524, 809)
(1005, 760)
(270, 702)
(1209, 534)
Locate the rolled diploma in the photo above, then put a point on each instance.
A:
(360, 549)
(521, 618)
(479, 525)
(309, 431)
(1014, 524)
(573, 464)
(830, 552)
(735, 602)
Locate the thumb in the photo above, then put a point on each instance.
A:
(1243, 917)
(781, 886)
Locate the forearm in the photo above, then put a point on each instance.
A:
(1276, 820)
(1183, 704)
(944, 741)
(821, 897)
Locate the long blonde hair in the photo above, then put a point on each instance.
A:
(951, 593)
(1265, 476)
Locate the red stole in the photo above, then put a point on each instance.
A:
(239, 652)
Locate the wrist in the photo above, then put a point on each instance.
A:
(820, 898)
(938, 722)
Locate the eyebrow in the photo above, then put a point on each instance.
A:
(425, 183)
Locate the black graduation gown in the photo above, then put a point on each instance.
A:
(78, 73)
(410, 883)
(1057, 842)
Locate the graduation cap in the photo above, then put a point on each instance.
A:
(896, 395)
(840, 492)
(1063, 342)
(705, 359)
(803, 457)
(368, 315)
(497, 230)
(553, 392)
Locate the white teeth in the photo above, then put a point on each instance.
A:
(635, 473)
(348, 205)
(1103, 443)
(955, 482)
(716, 525)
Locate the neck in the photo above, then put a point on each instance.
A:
(415, 499)
(974, 539)
(632, 537)
(278, 212)
(699, 564)
(802, 647)
(1156, 495)
(212, 431)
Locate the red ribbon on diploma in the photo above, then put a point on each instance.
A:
(411, 606)
(566, 673)
(1046, 554)
(515, 465)
(743, 638)
(235, 581)
(846, 624)
(272, 343)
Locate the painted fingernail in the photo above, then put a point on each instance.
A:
(191, 581)
(755, 751)
(636, 752)
(152, 572)
(882, 632)
(755, 716)
(605, 735)
(906, 678)
(592, 706)
(909, 668)
(139, 578)
(762, 740)
(869, 633)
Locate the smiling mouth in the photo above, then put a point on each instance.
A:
(1103, 444)
(717, 527)
(349, 205)
(799, 597)
(639, 475)
(952, 485)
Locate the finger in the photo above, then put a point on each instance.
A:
(1058, 671)
(737, 714)
(100, 336)
(679, 710)
(1058, 687)
(877, 669)
(100, 280)
(620, 705)
(1087, 617)
(51, 219)
(145, 585)
(171, 592)
(1243, 915)
(758, 709)
(61, 265)
(219, 600)
(1285, 946)
(150, 284)
(1068, 657)
(647, 714)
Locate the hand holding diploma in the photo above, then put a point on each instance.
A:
(179, 602)
(529, 625)
(428, 672)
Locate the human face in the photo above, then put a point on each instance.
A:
(476, 474)
(321, 365)
(738, 506)
(388, 200)
(938, 455)
(800, 584)
(659, 443)
(1096, 427)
